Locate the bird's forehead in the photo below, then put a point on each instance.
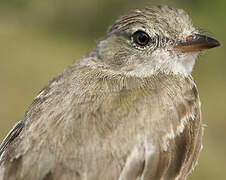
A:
(163, 20)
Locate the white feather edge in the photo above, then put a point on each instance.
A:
(179, 130)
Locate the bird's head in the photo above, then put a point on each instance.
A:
(156, 39)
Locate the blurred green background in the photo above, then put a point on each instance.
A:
(39, 38)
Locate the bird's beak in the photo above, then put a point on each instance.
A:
(197, 42)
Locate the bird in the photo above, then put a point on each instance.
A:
(128, 110)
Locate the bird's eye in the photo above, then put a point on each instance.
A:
(141, 38)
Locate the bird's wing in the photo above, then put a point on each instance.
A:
(174, 141)
(176, 155)
(13, 133)
(171, 137)
(101, 128)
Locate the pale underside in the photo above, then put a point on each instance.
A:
(106, 128)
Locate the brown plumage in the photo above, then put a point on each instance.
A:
(106, 117)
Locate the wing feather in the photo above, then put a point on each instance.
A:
(115, 129)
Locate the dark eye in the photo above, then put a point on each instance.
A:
(141, 38)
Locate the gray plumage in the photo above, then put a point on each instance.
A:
(107, 117)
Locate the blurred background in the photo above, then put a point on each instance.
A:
(38, 39)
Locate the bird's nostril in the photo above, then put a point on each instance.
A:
(190, 38)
